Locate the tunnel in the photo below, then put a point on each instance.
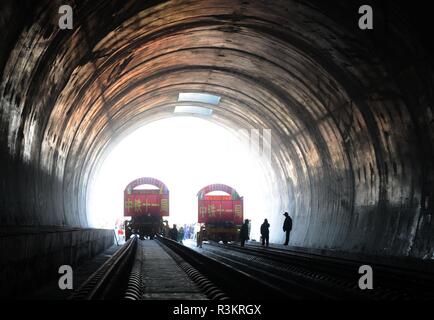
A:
(350, 112)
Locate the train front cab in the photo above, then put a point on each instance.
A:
(144, 208)
(221, 215)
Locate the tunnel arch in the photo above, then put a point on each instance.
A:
(146, 181)
(218, 187)
(351, 118)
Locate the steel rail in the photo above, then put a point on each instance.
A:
(105, 283)
(236, 283)
(391, 282)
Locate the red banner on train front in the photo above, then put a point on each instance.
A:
(142, 203)
(219, 211)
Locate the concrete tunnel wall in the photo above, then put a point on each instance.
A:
(350, 110)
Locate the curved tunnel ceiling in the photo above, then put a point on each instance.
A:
(351, 118)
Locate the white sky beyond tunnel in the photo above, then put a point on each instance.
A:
(185, 153)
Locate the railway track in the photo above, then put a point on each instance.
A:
(230, 272)
(236, 283)
(109, 281)
(337, 278)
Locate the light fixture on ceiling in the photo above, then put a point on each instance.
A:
(193, 110)
(199, 97)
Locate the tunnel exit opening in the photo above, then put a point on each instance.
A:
(186, 153)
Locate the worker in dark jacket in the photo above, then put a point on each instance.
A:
(244, 232)
(181, 234)
(265, 232)
(287, 227)
(174, 233)
(200, 236)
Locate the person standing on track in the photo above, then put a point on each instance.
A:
(174, 233)
(287, 227)
(244, 232)
(200, 236)
(265, 233)
(181, 234)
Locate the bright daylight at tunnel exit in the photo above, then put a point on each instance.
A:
(187, 153)
(207, 152)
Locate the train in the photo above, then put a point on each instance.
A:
(221, 215)
(145, 207)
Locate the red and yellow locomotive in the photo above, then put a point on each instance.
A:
(145, 207)
(222, 215)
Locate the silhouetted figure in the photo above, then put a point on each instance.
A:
(265, 232)
(181, 234)
(244, 232)
(287, 227)
(200, 236)
(166, 229)
(174, 233)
